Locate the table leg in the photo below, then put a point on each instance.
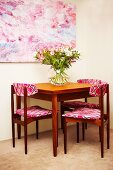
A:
(54, 124)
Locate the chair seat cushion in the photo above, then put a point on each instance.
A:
(34, 111)
(84, 113)
(74, 104)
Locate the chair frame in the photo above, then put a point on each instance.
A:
(84, 125)
(105, 119)
(16, 119)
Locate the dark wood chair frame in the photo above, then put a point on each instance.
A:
(104, 120)
(84, 125)
(16, 119)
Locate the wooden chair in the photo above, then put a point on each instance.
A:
(22, 116)
(97, 116)
(72, 105)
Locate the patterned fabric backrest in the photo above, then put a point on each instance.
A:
(19, 89)
(95, 89)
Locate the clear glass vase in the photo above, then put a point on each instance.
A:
(60, 78)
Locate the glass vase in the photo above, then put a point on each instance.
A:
(60, 78)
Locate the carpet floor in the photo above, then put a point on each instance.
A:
(80, 156)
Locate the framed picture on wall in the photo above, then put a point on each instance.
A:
(27, 25)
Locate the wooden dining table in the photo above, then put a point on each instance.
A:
(55, 94)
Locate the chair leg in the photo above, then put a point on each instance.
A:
(99, 133)
(37, 129)
(19, 129)
(85, 125)
(77, 132)
(65, 136)
(83, 131)
(102, 141)
(108, 135)
(13, 134)
(25, 137)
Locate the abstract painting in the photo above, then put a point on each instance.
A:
(28, 25)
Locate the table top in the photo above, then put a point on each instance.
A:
(69, 86)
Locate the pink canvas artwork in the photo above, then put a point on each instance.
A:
(28, 25)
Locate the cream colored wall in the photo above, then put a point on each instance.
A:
(94, 41)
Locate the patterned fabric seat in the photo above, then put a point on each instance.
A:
(90, 113)
(28, 113)
(34, 111)
(84, 113)
(76, 104)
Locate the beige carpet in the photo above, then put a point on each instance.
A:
(81, 156)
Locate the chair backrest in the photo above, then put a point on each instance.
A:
(19, 89)
(99, 88)
(95, 89)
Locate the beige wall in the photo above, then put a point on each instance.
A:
(94, 40)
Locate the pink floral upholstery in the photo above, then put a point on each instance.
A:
(19, 89)
(34, 111)
(96, 85)
(76, 104)
(84, 113)
(95, 90)
(85, 110)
